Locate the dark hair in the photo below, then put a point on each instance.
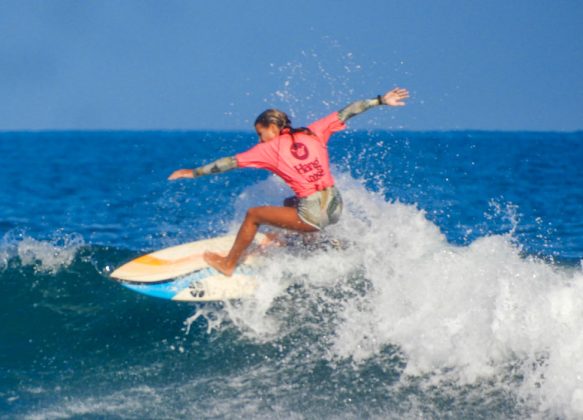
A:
(281, 120)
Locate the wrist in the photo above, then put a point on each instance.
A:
(380, 100)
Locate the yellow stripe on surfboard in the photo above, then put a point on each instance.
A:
(151, 260)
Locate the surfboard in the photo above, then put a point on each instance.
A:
(180, 273)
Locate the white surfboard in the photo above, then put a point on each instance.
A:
(180, 273)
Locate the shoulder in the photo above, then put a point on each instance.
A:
(260, 153)
(324, 127)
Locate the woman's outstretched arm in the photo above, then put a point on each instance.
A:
(218, 166)
(394, 97)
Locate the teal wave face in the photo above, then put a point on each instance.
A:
(80, 344)
(61, 328)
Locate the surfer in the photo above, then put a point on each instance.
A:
(300, 157)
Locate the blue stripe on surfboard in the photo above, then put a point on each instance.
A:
(168, 289)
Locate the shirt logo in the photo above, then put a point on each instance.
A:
(312, 171)
(299, 151)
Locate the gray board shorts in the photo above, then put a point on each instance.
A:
(319, 209)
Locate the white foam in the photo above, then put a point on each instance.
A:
(45, 256)
(461, 314)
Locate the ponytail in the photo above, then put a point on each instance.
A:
(282, 121)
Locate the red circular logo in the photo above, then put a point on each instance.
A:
(299, 151)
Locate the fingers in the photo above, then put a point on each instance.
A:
(176, 175)
(396, 96)
(182, 173)
(400, 92)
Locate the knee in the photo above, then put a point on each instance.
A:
(252, 215)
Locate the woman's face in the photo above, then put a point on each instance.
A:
(267, 133)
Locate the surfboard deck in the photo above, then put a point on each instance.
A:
(180, 273)
(176, 261)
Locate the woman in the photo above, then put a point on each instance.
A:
(300, 157)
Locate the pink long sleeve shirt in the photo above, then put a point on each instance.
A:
(303, 164)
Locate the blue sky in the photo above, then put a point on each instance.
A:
(139, 64)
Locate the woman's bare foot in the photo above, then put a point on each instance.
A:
(219, 263)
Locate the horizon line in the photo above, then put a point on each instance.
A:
(205, 130)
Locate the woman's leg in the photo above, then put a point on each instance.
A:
(283, 217)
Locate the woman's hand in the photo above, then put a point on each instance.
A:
(395, 97)
(181, 173)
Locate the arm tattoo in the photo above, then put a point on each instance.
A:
(216, 167)
(356, 108)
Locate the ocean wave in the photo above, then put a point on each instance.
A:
(398, 322)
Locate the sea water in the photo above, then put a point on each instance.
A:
(458, 293)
